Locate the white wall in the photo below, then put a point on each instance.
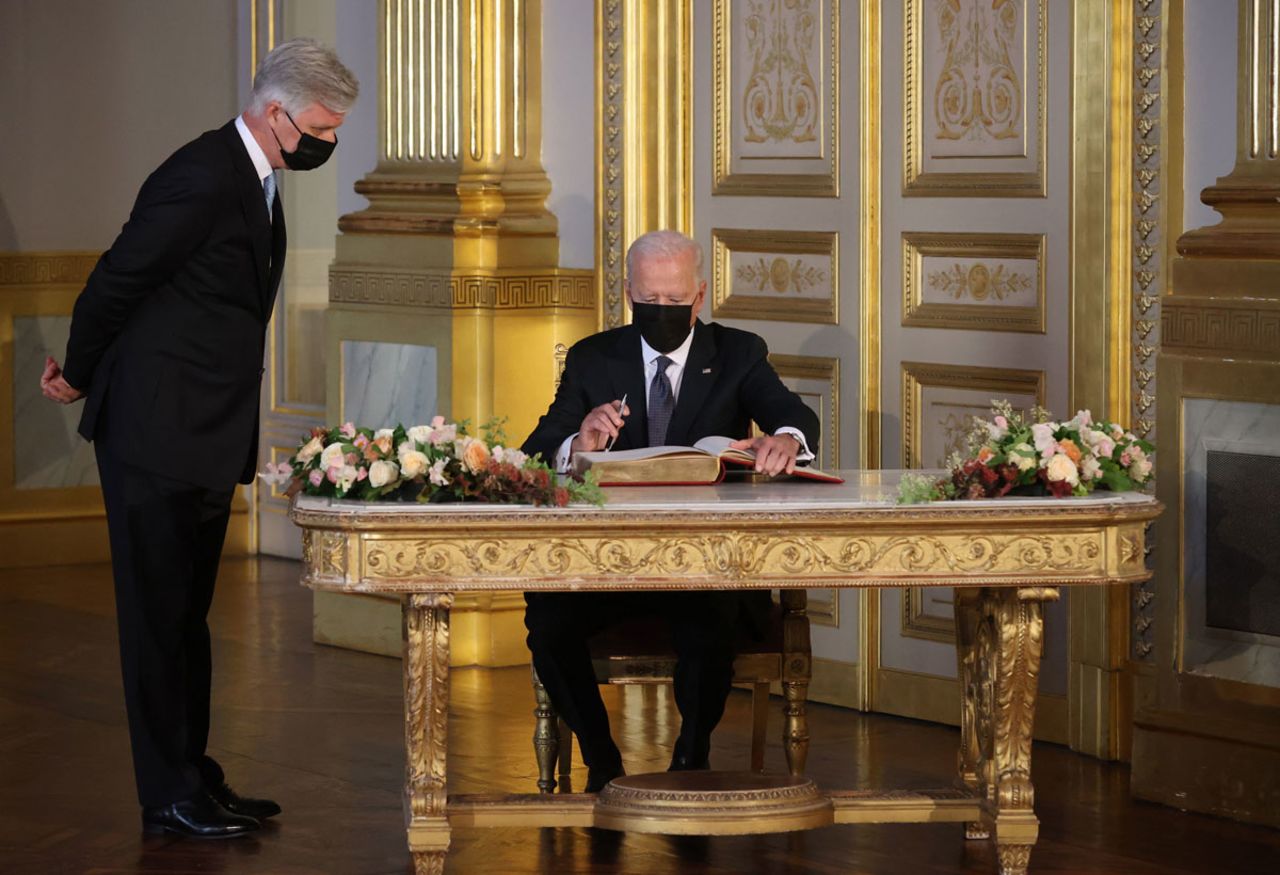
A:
(94, 96)
(1209, 111)
(568, 126)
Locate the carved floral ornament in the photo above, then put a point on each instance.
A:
(978, 95)
(781, 102)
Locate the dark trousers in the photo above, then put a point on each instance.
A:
(704, 629)
(166, 539)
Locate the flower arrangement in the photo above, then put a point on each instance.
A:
(1015, 455)
(430, 463)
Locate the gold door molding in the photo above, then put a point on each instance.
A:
(970, 102)
(980, 282)
(791, 276)
(777, 121)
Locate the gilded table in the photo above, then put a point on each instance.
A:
(1007, 557)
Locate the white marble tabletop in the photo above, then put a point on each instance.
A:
(861, 491)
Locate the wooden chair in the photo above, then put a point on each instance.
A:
(637, 652)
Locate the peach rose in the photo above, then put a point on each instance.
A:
(1068, 446)
(1061, 467)
(475, 456)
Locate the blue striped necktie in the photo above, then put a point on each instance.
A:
(662, 403)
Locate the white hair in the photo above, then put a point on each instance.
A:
(301, 72)
(665, 244)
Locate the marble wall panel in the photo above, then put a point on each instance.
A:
(1229, 427)
(386, 383)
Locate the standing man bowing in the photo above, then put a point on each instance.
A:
(166, 349)
(683, 380)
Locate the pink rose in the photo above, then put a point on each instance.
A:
(362, 473)
(361, 441)
(316, 477)
(348, 429)
(437, 421)
(333, 473)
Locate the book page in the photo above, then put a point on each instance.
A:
(642, 453)
(718, 445)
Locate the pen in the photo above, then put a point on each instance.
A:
(622, 405)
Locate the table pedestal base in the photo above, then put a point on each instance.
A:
(711, 803)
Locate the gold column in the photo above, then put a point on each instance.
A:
(644, 132)
(1202, 742)
(457, 250)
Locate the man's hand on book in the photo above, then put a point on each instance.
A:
(599, 426)
(774, 453)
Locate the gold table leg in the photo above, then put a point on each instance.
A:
(426, 723)
(1000, 639)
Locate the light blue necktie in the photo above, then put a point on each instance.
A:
(269, 188)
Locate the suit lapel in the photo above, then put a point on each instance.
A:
(700, 372)
(626, 376)
(253, 202)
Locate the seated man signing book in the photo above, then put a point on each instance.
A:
(665, 379)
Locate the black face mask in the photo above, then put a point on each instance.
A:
(310, 152)
(663, 326)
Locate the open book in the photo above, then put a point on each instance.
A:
(702, 463)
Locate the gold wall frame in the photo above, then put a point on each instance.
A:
(823, 609)
(920, 182)
(916, 376)
(769, 283)
(823, 182)
(917, 622)
(643, 133)
(978, 282)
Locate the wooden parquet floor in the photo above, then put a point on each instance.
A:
(320, 730)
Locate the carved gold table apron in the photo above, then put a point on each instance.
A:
(1007, 557)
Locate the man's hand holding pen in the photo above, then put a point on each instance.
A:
(601, 426)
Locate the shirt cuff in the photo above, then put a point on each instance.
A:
(563, 454)
(804, 455)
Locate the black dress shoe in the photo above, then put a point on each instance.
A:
(259, 809)
(597, 779)
(199, 817)
(681, 762)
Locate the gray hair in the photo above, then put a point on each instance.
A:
(665, 244)
(301, 72)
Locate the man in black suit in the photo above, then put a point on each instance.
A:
(682, 381)
(166, 347)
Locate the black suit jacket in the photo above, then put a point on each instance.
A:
(167, 337)
(727, 383)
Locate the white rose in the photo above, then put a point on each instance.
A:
(1140, 470)
(1090, 469)
(437, 475)
(515, 457)
(381, 473)
(383, 432)
(1062, 468)
(333, 457)
(413, 464)
(347, 477)
(419, 434)
(444, 434)
(308, 452)
(1024, 456)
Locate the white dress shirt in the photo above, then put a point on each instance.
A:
(675, 373)
(256, 155)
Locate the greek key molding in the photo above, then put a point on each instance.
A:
(46, 268)
(561, 288)
(1238, 329)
